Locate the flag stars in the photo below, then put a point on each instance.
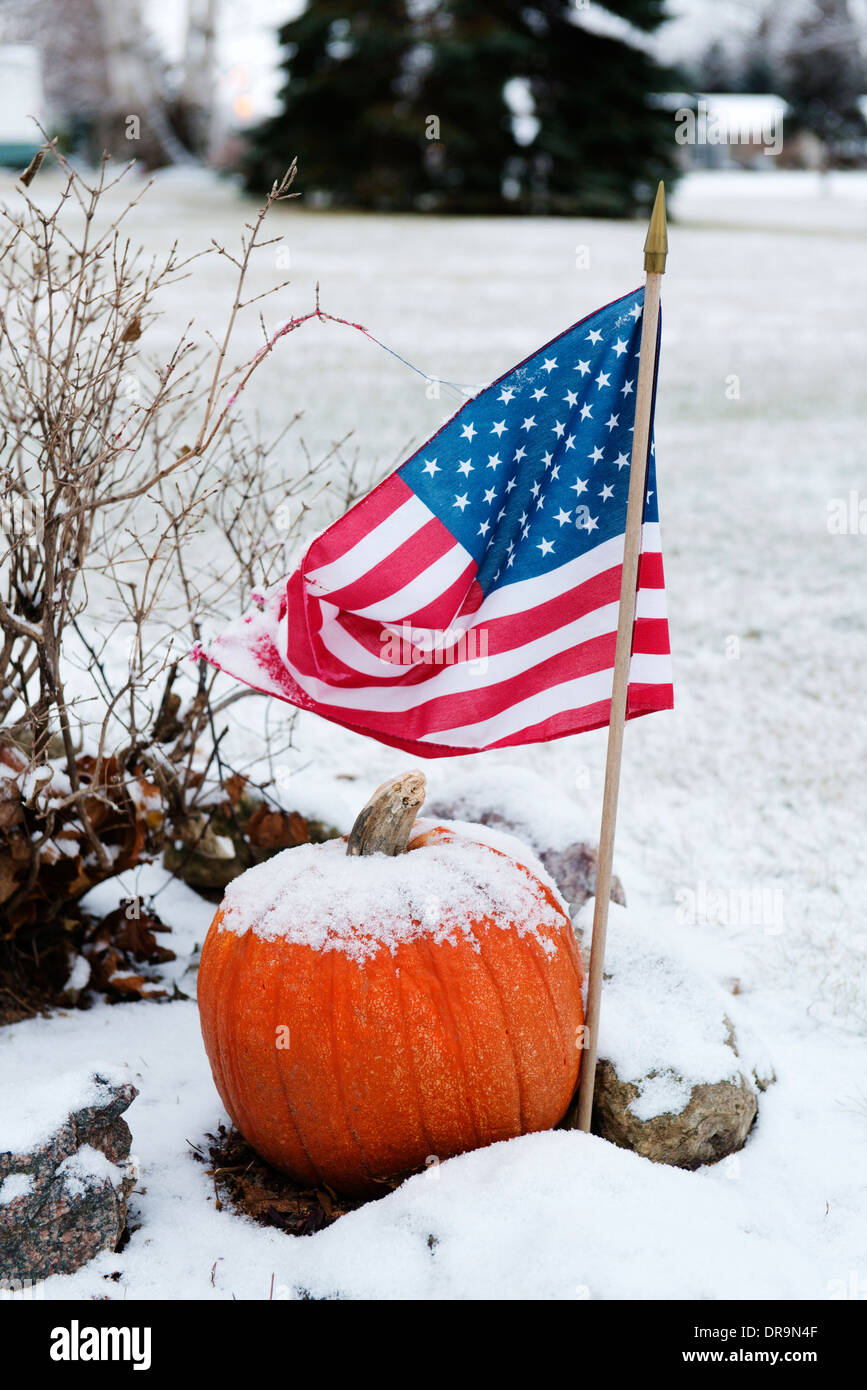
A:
(622, 462)
(583, 368)
(626, 388)
(548, 459)
(529, 422)
(536, 489)
(607, 491)
(506, 394)
(510, 484)
(635, 312)
(465, 466)
(494, 461)
(603, 379)
(578, 487)
(539, 393)
(498, 428)
(484, 528)
(468, 431)
(546, 548)
(596, 455)
(586, 412)
(611, 422)
(430, 467)
(620, 347)
(549, 364)
(594, 336)
(519, 454)
(571, 397)
(591, 523)
(559, 429)
(461, 502)
(563, 517)
(490, 495)
(570, 441)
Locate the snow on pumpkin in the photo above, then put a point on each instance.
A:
(413, 994)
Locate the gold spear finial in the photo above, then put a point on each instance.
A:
(656, 244)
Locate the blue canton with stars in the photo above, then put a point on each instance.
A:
(534, 471)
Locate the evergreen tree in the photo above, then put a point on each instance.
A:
(404, 105)
(346, 107)
(471, 53)
(602, 145)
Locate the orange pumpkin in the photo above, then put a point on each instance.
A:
(364, 1016)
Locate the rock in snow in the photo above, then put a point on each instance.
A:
(65, 1175)
(672, 1084)
(521, 802)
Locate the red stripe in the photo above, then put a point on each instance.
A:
(508, 633)
(438, 616)
(396, 570)
(354, 525)
(650, 574)
(470, 706)
(643, 698)
(650, 637)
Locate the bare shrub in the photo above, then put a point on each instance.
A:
(108, 458)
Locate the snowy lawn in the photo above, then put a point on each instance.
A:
(740, 831)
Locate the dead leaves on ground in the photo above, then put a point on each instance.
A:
(247, 1184)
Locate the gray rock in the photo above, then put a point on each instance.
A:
(573, 869)
(674, 1081)
(714, 1123)
(64, 1201)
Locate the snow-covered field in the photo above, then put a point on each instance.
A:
(755, 782)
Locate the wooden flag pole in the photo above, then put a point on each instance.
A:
(655, 252)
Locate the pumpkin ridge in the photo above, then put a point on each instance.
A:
(338, 1079)
(450, 1019)
(412, 1065)
(508, 1032)
(560, 1033)
(234, 990)
(281, 1081)
(220, 991)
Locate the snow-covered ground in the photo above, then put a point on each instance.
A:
(741, 814)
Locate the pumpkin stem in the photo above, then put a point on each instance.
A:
(383, 826)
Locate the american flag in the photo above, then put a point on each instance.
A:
(470, 601)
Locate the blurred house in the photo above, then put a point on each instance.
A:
(107, 83)
(748, 130)
(21, 99)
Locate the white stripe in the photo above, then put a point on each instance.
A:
(431, 584)
(526, 594)
(465, 676)
(650, 603)
(558, 699)
(370, 551)
(350, 652)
